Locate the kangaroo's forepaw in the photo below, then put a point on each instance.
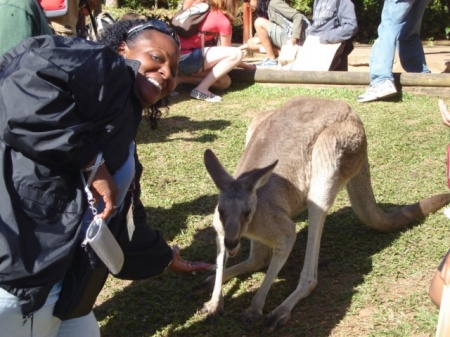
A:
(212, 308)
(251, 314)
(276, 319)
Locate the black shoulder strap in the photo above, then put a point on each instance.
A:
(93, 21)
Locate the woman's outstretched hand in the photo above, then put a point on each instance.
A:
(179, 265)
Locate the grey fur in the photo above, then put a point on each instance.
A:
(299, 156)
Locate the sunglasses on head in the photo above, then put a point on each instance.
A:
(158, 25)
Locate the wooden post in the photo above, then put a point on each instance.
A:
(247, 20)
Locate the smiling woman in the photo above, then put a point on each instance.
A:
(70, 112)
(133, 40)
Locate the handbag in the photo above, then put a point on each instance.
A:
(146, 254)
(94, 257)
(98, 235)
(87, 274)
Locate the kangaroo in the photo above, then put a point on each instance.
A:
(296, 157)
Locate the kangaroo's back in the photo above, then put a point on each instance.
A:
(305, 136)
(288, 134)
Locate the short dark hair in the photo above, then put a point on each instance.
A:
(116, 33)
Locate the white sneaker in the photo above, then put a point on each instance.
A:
(380, 90)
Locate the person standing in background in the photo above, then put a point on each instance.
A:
(20, 19)
(399, 28)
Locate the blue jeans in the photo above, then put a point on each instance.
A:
(191, 64)
(43, 323)
(400, 27)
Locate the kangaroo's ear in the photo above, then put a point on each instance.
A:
(218, 174)
(256, 178)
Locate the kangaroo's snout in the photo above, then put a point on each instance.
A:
(232, 246)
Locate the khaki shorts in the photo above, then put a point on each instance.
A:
(277, 35)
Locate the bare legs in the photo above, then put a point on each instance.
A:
(219, 61)
(262, 28)
(221, 83)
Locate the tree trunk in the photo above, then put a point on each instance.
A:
(112, 3)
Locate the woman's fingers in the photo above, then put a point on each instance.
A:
(179, 265)
(105, 187)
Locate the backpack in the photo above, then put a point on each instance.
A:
(97, 25)
(187, 21)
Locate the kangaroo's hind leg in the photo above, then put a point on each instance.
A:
(329, 159)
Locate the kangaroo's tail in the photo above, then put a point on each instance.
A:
(364, 204)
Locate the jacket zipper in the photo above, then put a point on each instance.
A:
(25, 320)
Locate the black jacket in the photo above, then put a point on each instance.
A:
(62, 101)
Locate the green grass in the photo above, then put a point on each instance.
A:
(370, 284)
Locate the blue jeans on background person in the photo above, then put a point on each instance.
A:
(192, 63)
(400, 27)
(43, 323)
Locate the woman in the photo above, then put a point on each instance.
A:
(206, 65)
(70, 111)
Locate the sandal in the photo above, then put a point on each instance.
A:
(207, 98)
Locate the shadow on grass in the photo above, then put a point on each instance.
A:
(172, 124)
(175, 124)
(145, 308)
